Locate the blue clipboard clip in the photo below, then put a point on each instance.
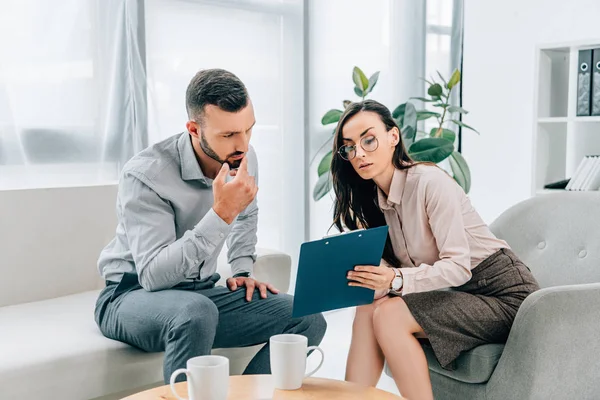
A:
(321, 281)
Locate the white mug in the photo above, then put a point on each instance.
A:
(288, 360)
(207, 378)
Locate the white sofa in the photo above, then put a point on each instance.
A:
(50, 346)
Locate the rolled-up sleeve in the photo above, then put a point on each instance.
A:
(444, 213)
(161, 260)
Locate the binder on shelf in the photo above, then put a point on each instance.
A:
(595, 99)
(594, 183)
(590, 173)
(572, 185)
(577, 177)
(587, 174)
(584, 82)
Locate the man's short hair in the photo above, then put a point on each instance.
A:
(216, 87)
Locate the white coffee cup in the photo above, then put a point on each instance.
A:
(207, 378)
(288, 360)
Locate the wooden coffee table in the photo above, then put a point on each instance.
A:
(260, 387)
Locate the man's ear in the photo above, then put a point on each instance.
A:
(193, 128)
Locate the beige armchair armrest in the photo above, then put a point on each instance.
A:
(271, 266)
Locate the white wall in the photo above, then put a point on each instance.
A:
(499, 57)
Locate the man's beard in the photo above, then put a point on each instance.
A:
(233, 164)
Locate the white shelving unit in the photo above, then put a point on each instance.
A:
(561, 138)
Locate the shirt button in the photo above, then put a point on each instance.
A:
(221, 235)
(582, 253)
(541, 245)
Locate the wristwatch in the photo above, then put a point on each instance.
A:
(397, 282)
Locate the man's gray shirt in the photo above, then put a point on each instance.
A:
(167, 231)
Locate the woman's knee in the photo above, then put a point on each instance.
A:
(395, 310)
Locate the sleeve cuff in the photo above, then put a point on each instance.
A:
(242, 265)
(408, 280)
(212, 228)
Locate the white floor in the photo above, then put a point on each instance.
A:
(335, 345)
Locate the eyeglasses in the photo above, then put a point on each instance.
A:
(368, 143)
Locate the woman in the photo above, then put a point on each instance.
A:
(436, 241)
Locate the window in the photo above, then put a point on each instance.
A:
(261, 42)
(443, 45)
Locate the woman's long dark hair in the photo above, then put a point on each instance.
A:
(356, 204)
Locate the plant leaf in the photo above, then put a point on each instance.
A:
(444, 105)
(410, 116)
(443, 133)
(454, 79)
(442, 78)
(423, 99)
(360, 79)
(460, 168)
(325, 164)
(346, 103)
(331, 116)
(408, 132)
(423, 79)
(431, 149)
(424, 114)
(399, 111)
(435, 90)
(457, 109)
(328, 141)
(359, 92)
(322, 187)
(464, 125)
(372, 82)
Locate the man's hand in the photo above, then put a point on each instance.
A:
(233, 197)
(251, 285)
(370, 277)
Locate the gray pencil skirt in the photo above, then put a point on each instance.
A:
(478, 312)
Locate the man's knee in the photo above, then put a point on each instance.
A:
(312, 326)
(318, 324)
(198, 314)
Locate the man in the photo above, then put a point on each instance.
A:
(178, 202)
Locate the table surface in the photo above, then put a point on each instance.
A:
(260, 387)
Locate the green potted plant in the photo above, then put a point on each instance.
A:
(435, 146)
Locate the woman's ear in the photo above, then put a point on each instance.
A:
(394, 136)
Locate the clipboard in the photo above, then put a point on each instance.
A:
(321, 281)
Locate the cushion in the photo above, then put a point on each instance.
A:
(553, 233)
(54, 347)
(473, 366)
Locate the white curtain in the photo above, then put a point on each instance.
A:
(443, 47)
(72, 108)
(86, 84)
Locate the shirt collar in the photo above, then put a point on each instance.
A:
(190, 168)
(396, 190)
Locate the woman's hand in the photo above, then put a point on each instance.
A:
(371, 277)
